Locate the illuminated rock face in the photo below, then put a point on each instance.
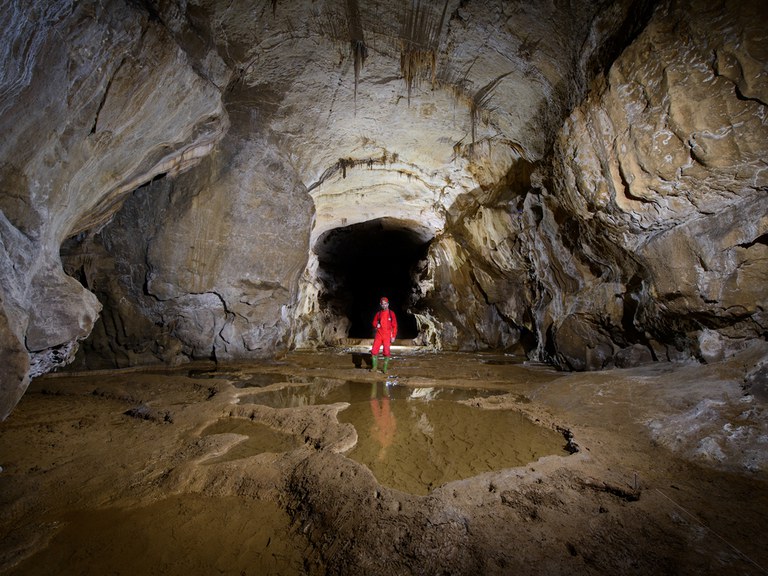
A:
(661, 173)
(96, 101)
(587, 186)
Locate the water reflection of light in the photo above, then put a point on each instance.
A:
(414, 439)
(384, 423)
(423, 393)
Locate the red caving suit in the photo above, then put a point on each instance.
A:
(386, 331)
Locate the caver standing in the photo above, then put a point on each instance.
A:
(385, 323)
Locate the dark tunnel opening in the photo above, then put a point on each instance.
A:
(360, 263)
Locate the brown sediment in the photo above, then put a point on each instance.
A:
(140, 471)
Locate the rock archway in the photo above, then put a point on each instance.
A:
(359, 263)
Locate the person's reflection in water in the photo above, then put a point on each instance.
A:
(384, 424)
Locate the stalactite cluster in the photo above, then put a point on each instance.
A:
(420, 41)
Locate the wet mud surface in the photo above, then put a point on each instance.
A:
(462, 464)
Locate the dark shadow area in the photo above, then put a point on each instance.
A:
(362, 360)
(363, 262)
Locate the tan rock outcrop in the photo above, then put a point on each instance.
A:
(97, 99)
(661, 176)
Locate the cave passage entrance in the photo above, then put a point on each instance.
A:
(360, 263)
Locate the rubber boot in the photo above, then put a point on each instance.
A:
(386, 364)
(374, 362)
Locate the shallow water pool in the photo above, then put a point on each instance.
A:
(416, 439)
(426, 438)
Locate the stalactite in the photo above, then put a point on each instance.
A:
(420, 40)
(480, 101)
(358, 48)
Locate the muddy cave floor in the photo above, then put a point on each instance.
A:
(137, 471)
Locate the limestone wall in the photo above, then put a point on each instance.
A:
(97, 99)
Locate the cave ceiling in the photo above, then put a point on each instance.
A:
(396, 108)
